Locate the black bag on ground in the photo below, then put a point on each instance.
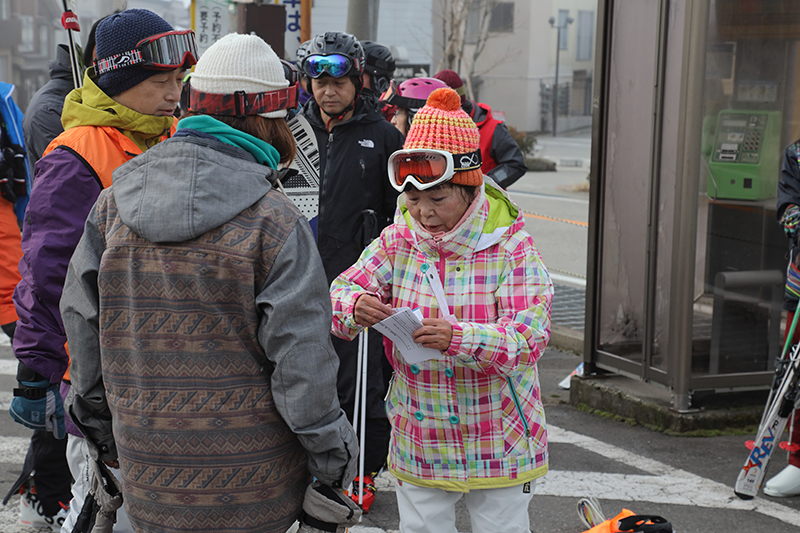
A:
(645, 524)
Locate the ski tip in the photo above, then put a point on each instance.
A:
(744, 496)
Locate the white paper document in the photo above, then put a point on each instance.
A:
(399, 329)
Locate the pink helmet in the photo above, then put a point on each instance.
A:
(413, 93)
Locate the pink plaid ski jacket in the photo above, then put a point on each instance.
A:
(472, 418)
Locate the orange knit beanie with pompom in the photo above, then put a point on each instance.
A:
(442, 125)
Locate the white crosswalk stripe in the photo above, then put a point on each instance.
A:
(13, 450)
(665, 484)
(5, 400)
(8, 367)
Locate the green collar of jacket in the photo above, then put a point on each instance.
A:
(90, 106)
(265, 153)
(502, 212)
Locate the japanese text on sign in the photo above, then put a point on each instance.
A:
(211, 21)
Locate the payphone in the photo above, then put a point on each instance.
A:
(743, 154)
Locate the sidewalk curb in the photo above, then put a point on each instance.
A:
(566, 339)
(650, 406)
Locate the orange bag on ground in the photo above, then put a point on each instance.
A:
(612, 524)
(628, 521)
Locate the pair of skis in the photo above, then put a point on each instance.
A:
(782, 400)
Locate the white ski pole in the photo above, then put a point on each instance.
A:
(363, 415)
(357, 399)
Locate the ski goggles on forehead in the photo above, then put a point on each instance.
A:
(165, 51)
(425, 168)
(240, 104)
(392, 97)
(336, 65)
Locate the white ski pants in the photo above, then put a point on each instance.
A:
(80, 462)
(427, 510)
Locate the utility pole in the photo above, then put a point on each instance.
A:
(567, 21)
(305, 20)
(362, 19)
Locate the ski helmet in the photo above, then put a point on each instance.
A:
(302, 52)
(379, 63)
(334, 44)
(413, 93)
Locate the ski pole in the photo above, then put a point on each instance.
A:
(363, 418)
(69, 20)
(357, 399)
(786, 346)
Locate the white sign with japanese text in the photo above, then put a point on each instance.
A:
(211, 19)
(292, 38)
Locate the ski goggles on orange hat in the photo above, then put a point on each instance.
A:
(165, 51)
(336, 65)
(426, 168)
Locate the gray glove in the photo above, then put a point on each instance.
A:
(100, 507)
(327, 509)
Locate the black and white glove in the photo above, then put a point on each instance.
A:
(326, 509)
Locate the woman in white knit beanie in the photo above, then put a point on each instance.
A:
(239, 81)
(209, 319)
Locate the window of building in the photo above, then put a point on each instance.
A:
(563, 15)
(474, 18)
(502, 19)
(44, 39)
(585, 35)
(4, 9)
(28, 40)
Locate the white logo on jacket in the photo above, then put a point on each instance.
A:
(366, 143)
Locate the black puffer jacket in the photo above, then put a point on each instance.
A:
(42, 121)
(506, 163)
(356, 202)
(354, 180)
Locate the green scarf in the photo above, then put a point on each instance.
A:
(265, 153)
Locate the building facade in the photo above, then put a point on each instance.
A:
(30, 31)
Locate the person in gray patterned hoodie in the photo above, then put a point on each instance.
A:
(198, 318)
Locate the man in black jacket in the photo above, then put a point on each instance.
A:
(42, 121)
(356, 202)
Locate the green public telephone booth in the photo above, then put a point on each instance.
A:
(743, 154)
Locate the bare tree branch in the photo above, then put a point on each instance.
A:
(462, 43)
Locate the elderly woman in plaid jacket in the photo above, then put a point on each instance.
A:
(470, 422)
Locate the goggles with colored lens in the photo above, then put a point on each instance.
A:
(393, 97)
(425, 168)
(165, 51)
(336, 65)
(290, 72)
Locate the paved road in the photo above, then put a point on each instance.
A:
(556, 216)
(686, 480)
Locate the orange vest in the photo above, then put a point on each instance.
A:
(102, 149)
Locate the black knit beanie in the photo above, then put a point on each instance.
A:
(119, 33)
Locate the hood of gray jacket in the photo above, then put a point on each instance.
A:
(186, 186)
